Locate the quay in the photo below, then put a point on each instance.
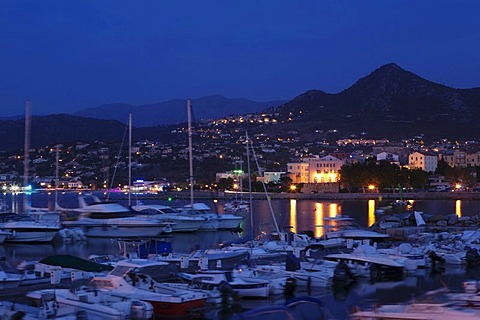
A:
(208, 195)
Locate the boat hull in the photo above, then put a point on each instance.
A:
(118, 229)
(164, 309)
(18, 236)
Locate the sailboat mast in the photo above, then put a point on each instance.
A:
(57, 156)
(249, 184)
(190, 148)
(28, 111)
(129, 159)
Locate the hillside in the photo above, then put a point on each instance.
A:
(174, 111)
(390, 102)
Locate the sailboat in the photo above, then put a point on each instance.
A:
(238, 205)
(108, 219)
(31, 226)
(212, 220)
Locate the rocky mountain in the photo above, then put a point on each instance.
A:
(389, 102)
(174, 111)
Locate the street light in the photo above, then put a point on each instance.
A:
(293, 187)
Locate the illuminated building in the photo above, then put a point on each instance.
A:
(425, 161)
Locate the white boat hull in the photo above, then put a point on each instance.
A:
(31, 236)
(186, 226)
(118, 228)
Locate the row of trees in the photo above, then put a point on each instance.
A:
(383, 175)
(387, 176)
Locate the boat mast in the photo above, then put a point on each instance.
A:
(265, 190)
(249, 184)
(190, 148)
(56, 175)
(28, 110)
(129, 159)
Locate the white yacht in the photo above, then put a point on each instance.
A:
(212, 221)
(180, 222)
(24, 228)
(108, 219)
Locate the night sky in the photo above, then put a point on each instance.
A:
(67, 55)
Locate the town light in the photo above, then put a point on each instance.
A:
(371, 187)
(293, 187)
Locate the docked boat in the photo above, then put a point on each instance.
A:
(345, 227)
(364, 261)
(179, 222)
(126, 280)
(237, 206)
(199, 259)
(253, 288)
(9, 276)
(108, 219)
(95, 305)
(212, 221)
(23, 228)
(306, 274)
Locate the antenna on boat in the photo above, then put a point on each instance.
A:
(190, 147)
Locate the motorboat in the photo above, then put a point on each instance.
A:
(94, 304)
(23, 228)
(199, 259)
(306, 274)
(127, 280)
(212, 221)
(364, 261)
(179, 222)
(108, 219)
(342, 226)
(9, 276)
(237, 206)
(253, 288)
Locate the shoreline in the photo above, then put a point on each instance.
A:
(226, 196)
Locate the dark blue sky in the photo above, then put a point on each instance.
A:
(66, 55)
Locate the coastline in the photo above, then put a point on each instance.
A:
(324, 196)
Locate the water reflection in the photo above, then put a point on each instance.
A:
(334, 210)
(458, 208)
(319, 219)
(371, 212)
(293, 215)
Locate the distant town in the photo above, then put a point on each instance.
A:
(284, 164)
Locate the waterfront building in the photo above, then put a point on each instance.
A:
(422, 160)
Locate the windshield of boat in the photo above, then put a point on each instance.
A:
(120, 271)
